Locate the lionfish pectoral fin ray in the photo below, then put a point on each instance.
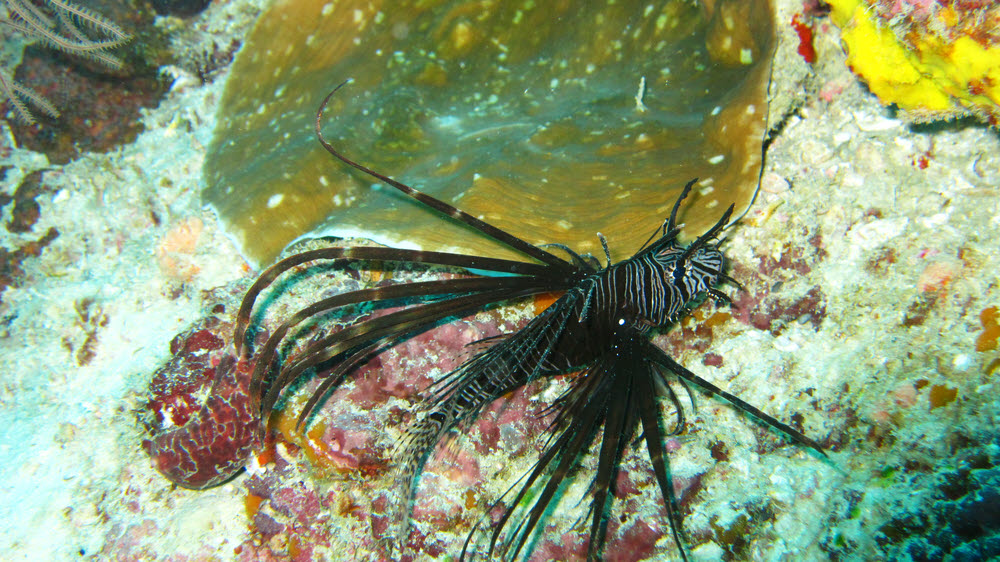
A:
(712, 390)
(650, 417)
(579, 436)
(335, 378)
(384, 328)
(619, 427)
(678, 408)
(268, 354)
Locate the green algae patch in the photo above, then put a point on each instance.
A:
(553, 121)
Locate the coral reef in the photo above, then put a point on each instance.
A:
(552, 123)
(935, 60)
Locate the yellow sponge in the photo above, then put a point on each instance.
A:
(934, 62)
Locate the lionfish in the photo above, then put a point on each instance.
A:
(598, 329)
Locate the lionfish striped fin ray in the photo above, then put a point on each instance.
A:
(384, 334)
(653, 434)
(268, 353)
(383, 328)
(268, 277)
(601, 400)
(459, 396)
(745, 407)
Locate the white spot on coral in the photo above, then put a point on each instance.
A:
(746, 56)
(275, 200)
(868, 236)
(962, 362)
(716, 159)
(639, 106)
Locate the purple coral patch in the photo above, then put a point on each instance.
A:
(763, 306)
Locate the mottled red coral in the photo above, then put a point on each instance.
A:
(202, 426)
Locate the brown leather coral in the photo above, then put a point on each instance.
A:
(553, 121)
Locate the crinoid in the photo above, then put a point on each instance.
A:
(599, 329)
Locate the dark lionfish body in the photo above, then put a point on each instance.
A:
(598, 329)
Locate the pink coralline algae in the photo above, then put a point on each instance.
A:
(200, 424)
(762, 304)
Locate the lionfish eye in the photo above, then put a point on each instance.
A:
(679, 272)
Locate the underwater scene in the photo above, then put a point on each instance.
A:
(296, 280)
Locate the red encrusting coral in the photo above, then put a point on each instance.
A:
(805, 33)
(202, 427)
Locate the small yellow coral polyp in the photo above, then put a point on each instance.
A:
(930, 75)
